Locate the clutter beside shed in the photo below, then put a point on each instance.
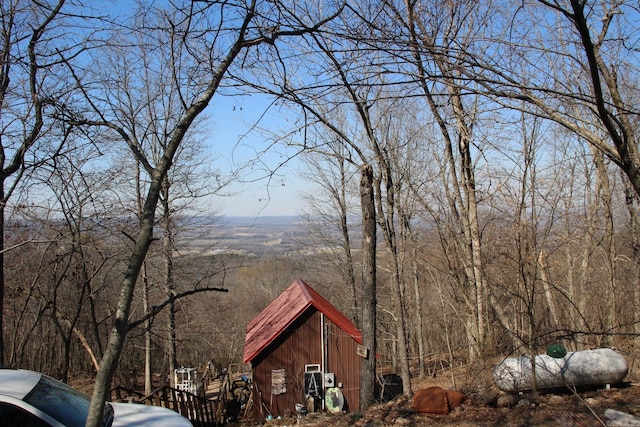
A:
(436, 400)
(185, 379)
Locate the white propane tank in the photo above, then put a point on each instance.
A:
(589, 367)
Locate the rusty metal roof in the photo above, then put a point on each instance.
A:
(286, 308)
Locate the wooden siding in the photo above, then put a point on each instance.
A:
(344, 362)
(299, 345)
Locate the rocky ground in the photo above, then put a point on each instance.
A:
(490, 407)
(485, 407)
(583, 409)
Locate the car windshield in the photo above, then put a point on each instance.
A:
(63, 402)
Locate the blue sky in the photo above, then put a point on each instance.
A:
(233, 145)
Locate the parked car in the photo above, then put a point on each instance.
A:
(32, 399)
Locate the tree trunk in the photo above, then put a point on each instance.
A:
(346, 242)
(169, 286)
(369, 300)
(418, 307)
(631, 200)
(546, 284)
(388, 226)
(145, 292)
(147, 331)
(604, 197)
(120, 328)
(2, 284)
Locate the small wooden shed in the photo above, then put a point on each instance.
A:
(302, 350)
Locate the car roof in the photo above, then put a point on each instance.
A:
(17, 382)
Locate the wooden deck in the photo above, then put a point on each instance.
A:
(220, 397)
(230, 389)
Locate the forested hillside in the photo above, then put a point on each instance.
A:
(473, 169)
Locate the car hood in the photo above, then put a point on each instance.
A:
(133, 414)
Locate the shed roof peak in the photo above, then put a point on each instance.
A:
(286, 308)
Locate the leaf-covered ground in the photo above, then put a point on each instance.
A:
(582, 409)
(484, 407)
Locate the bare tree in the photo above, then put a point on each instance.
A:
(358, 89)
(74, 238)
(369, 248)
(431, 38)
(576, 68)
(354, 86)
(79, 256)
(205, 40)
(330, 209)
(31, 91)
(188, 180)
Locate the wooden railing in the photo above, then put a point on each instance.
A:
(199, 410)
(203, 411)
(211, 372)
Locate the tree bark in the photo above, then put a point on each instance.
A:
(169, 286)
(147, 331)
(346, 242)
(13, 164)
(120, 328)
(368, 327)
(387, 223)
(418, 308)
